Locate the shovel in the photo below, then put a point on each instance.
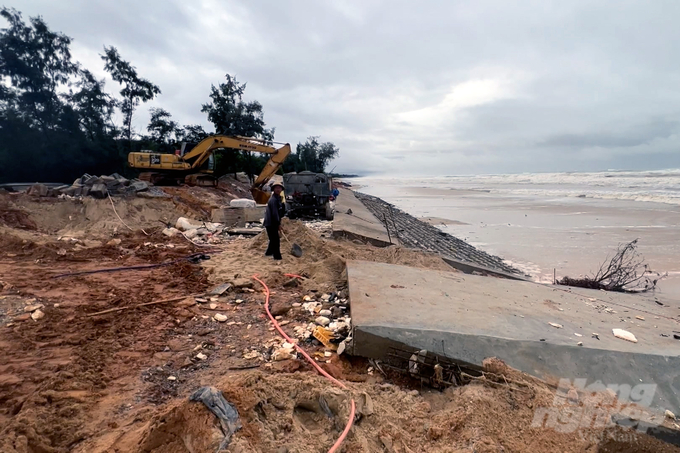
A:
(295, 249)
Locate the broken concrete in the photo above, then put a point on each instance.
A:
(470, 318)
(354, 221)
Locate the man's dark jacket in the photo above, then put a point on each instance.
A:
(274, 212)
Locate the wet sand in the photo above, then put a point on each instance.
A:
(571, 236)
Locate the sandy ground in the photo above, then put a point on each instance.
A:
(75, 382)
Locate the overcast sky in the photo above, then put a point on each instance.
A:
(427, 87)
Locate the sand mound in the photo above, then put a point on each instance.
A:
(89, 217)
(284, 412)
(323, 261)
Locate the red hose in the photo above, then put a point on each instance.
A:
(350, 422)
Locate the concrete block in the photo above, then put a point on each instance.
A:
(254, 214)
(38, 190)
(139, 186)
(99, 191)
(469, 318)
(230, 217)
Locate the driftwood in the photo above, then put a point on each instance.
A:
(626, 271)
(173, 299)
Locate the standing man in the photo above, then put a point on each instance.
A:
(272, 221)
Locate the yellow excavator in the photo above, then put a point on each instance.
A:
(192, 165)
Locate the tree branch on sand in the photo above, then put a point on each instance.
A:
(626, 271)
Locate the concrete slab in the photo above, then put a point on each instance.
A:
(469, 318)
(360, 224)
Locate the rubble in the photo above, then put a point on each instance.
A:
(220, 317)
(322, 321)
(93, 186)
(624, 335)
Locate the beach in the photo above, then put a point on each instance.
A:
(551, 224)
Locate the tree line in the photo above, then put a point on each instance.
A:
(57, 119)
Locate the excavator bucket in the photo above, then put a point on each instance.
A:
(260, 196)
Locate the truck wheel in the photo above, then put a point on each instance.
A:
(329, 211)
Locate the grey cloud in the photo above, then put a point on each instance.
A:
(415, 87)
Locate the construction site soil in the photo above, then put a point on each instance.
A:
(74, 380)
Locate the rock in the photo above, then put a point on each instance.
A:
(242, 203)
(99, 191)
(220, 317)
(213, 306)
(326, 313)
(624, 335)
(341, 347)
(38, 190)
(336, 312)
(171, 232)
(36, 315)
(184, 224)
(172, 378)
(220, 289)
(322, 321)
(190, 234)
(140, 186)
(114, 242)
(669, 414)
(242, 283)
(71, 191)
(32, 308)
(555, 325)
(580, 343)
(297, 304)
(279, 309)
(365, 404)
(201, 356)
(283, 354)
(572, 396)
(326, 297)
(24, 317)
(387, 443)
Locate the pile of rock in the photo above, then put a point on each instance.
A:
(332, 324)
(322, 227)
(93, 186)
(208, 232)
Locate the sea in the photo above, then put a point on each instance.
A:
(551, 225)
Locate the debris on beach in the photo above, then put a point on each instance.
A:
(624, 335)
(555, 325)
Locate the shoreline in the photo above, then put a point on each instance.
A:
(546, 236)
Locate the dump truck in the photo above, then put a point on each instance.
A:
(308, 194)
